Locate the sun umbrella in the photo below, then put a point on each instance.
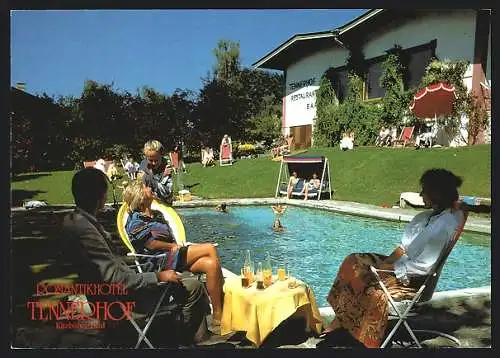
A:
(433, 100)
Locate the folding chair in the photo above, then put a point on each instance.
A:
(226, 154)
(423, 294)
(405, 137)
(174, 159)
(167, 292)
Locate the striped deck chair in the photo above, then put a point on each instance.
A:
(405, 137)
(226, 154)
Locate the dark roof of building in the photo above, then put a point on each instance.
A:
(294, 48)
(17, 91)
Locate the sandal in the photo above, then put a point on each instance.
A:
(329, 330)
(215, 326)
(326, 332)
(216, 322)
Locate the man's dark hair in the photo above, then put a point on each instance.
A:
(441, 186)
(88, 186)
(223, 206)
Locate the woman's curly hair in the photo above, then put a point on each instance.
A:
(441, 186)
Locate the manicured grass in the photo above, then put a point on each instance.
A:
(366, 175)
(54, 187)
(378, 175)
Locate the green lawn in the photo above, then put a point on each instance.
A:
(366, 175)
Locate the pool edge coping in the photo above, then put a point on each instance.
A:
(344, 207)
(476, 225)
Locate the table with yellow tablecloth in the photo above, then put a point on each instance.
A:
(259, 312)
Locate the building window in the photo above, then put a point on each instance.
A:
(340, 84)
(338, 79)
(418, 59)
(373, 88)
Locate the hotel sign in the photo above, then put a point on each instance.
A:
(308, 96)
(304, 83)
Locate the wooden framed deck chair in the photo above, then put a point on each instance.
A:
(405, 137)
(226, 154)
(305, 166)
(424, 293)
(174, 160)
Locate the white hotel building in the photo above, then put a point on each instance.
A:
(445, 34)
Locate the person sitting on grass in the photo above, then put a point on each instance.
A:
(381, 136)
(312, 186)
(277, 225)
(287, 147)
(207, 157)
(221, 208)
(112, 172)
(347, 142)
(131, 168)
(276, 151)
(387, 140)
(151, 234)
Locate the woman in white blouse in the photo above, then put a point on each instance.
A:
(359, 304)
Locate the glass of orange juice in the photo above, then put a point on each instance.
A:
(248, 271)
(281, 273)
(268, 277)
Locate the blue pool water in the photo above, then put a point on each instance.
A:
(316, 241)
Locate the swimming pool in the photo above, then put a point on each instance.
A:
(316, 241)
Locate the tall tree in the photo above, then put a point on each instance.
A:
(227, 54)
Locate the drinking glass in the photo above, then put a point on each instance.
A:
(281, 272)
(251, 272)
(292, 282)
(245, 282)
(268, 277)
(259, 277)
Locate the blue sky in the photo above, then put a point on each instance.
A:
(55, 51)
